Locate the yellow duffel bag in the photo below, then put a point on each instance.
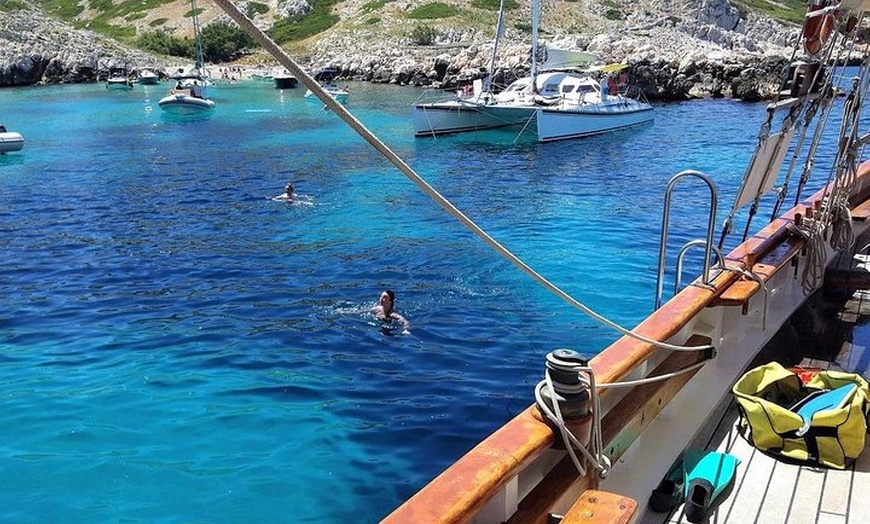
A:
(820, 422)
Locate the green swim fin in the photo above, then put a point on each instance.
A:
(670, 491)
(710, 478)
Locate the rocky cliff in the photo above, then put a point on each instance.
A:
(677, 49)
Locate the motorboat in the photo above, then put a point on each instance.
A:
(10, 140)
(556, 100)
(189, 96)
(119, 79)
(338, 93)
(285, 80)
(326, 78)
(148, 77)
(263, 75)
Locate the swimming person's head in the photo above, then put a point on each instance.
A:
(289, 190)
(387, 301)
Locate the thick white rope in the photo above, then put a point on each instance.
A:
(287, 61)
(814, 266)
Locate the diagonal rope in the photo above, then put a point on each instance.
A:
(287, 61)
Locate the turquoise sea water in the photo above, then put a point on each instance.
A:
(178, 347)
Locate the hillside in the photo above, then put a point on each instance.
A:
(388, 23)
(678, 49)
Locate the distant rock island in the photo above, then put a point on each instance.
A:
(675, 50)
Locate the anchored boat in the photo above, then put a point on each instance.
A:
(285, 80)
(10, 140)
(119, 78)
(556, 100)
(148, 77)
(189, 96)
(326, 77)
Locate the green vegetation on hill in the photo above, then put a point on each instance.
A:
(433, 10)
(108, 10)
(318, 20)
(13, 5)
(494, 5)
(256, 8)
(221, 42)
(787, 10)
(163, 42)
(374, 5)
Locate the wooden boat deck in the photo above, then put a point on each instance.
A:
(769, 491)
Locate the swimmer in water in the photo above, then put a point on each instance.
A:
(288, 195)
(385, 311)
(292, 197)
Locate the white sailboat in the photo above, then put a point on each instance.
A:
(558, 102)
(189, 96)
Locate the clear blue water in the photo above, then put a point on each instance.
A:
(178, 347)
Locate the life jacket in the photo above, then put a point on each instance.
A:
(821, 422)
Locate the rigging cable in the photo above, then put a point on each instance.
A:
(287, 61)
(801, 127)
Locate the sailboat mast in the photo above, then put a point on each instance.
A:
(536, 17)
(499, 31)
(197, 40)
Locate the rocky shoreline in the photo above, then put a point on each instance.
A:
(673, 64)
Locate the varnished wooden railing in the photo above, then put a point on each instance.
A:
(464, 489)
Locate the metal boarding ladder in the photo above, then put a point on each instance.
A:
(707, 277)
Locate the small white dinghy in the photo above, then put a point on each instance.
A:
(10, 140)
(188, 97)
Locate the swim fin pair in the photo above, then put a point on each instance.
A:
(703, 479)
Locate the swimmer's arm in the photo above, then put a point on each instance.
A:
(404, 321)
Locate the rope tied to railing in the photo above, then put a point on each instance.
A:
(751, 275)
(813, 272)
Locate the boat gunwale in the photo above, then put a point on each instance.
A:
(464, 488)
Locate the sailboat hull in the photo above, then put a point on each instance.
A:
(580, 121)
(458, 116)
